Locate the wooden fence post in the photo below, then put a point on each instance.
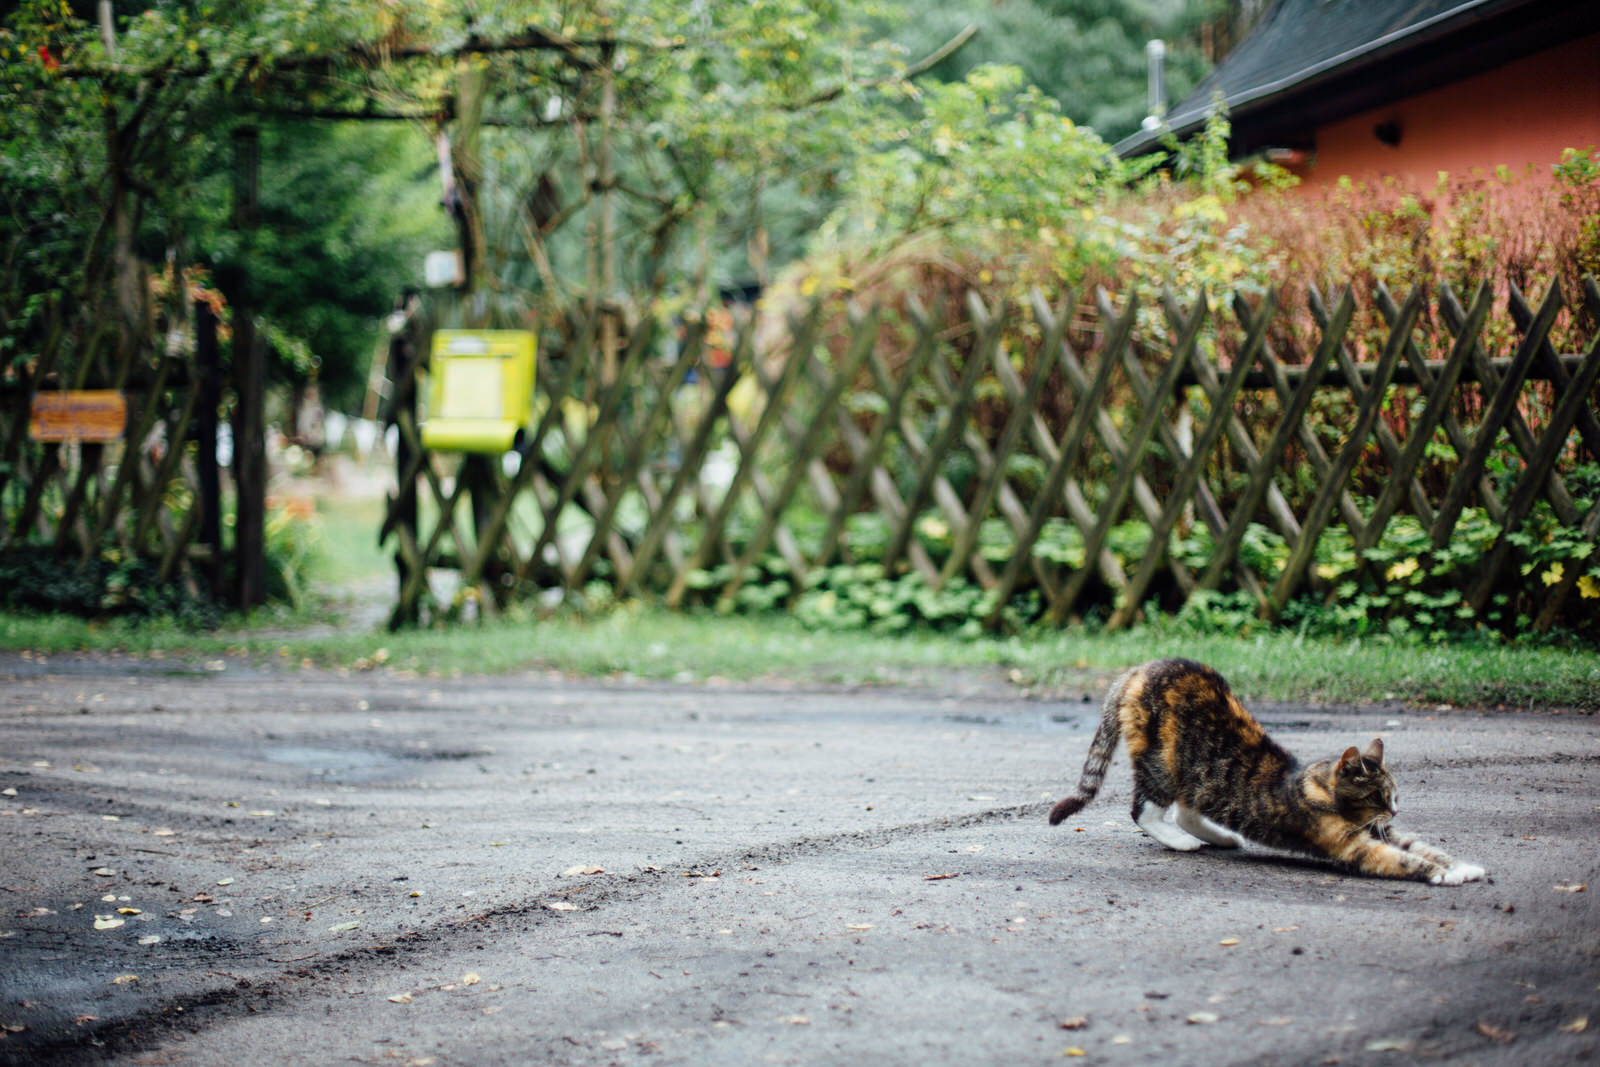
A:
(250, 384)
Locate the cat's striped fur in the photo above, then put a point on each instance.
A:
(1199, 756)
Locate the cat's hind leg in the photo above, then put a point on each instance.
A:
(1197, 825)
(1152, 819)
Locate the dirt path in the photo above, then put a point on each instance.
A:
(217, 864)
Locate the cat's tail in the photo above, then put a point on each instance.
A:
(1101, 750)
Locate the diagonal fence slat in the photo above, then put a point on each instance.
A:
(867, 452)
(1122, 481)
(1439, 395)
(664, 508)
(1264, 469)
(932, 456)
(638, 448)
(1455, 434)
(747, 470)
(842, 376)
(1189, 480)
(1512, 420)
(1167, 436)
(1500, 413)
(1334, 488)
(1541, 464)
(1086, 407)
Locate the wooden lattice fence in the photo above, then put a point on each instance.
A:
(144, 500)
(1059, 459)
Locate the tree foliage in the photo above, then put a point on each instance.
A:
(599, 154)
(1088, 55)
(118, 168)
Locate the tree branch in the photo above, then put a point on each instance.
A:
(933, 58)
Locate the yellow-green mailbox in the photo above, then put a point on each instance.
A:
(482, 395)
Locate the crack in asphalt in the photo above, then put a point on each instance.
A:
(273, 990)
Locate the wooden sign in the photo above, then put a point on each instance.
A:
(78, 415)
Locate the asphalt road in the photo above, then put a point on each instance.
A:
(221, 864)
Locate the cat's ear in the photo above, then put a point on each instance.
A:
(1352, 756)
(1374, 751)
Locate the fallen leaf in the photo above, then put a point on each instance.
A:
(470, 978)
(108, 922)
(13, 1028)
(1286, 929)
(10, 791)
(796, 1020)
(124, 979)
(128, 911)
(1077, 1022)
(164, 832)
(580, 870)
(1576, 1026)
(150, 939)
(401, 998)
(1073, 1050)
(1493, 1032)
(1388, 1044)
(560, 905)
(202, 898)
(224, 881)
(1122, 1039)
(339, 928)
(1229, 941)
(1202, 1017)
(104, 872)
(938, 877)
(859, 926)
(1559, 888)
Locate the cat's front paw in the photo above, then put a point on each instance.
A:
(1458, 873)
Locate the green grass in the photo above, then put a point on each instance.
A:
(641, 641)
(644, 642)
(346, 540)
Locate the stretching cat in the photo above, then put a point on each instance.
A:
(1198, 752)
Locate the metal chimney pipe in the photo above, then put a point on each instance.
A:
(1156, 53)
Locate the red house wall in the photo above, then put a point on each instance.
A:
(1518, 115)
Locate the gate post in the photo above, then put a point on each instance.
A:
(402, 375)
(205, 436)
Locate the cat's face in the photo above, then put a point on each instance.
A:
(1364, 789)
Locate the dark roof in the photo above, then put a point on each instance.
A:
(1308, 62)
